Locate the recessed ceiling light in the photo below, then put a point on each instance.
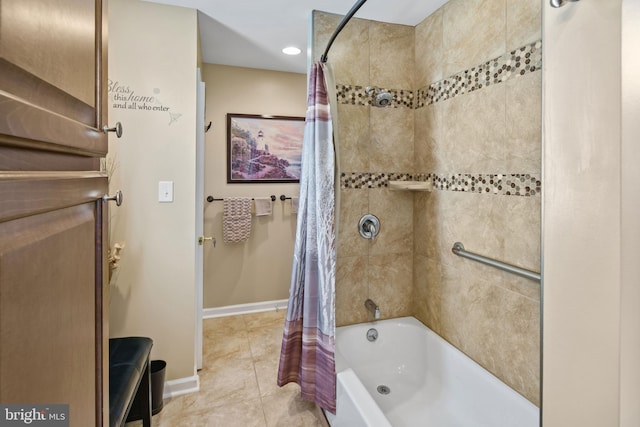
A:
(291, 50)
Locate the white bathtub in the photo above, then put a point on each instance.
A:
(430, 382)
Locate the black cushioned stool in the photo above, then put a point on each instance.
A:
(129, 374)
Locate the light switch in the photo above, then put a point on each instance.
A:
(165, 191)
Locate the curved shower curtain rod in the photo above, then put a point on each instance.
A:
(340, 26)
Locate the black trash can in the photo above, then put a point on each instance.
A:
(158, 368)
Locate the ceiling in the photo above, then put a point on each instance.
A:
(252, 33)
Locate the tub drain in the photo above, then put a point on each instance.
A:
(383, 389)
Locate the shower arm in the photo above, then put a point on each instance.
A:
(340, 26)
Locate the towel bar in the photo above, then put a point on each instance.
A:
(273, 198)
(213, 199)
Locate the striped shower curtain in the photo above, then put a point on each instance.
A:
(308, 343)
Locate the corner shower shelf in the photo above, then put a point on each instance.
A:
(411, 185)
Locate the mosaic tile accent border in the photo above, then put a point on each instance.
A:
(526, 185)
(357, 95)
(504, 184)
(518, 62)
(357, 180)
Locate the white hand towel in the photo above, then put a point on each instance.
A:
(236, 219)
(294, 205)
(263, 206)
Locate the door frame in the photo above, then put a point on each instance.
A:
(199, 273)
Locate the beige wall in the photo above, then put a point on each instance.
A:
(495, 129)
(153, 290)
(591, 229)
(259, 269)
(630, 219)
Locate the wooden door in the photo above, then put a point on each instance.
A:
(53, 288)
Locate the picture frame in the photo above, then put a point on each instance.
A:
(264, 149)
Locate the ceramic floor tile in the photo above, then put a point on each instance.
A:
(265, 343)
(247, 413)
(267, 319)
(267, 375)
(231, 346)
(230, 383)
(242, 414)
(175, 406)
(235, 325)
(238, 382)
(286, 408)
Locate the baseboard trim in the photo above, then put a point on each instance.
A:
(180, 386)
(255, 307)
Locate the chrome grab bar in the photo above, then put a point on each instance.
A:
(458, 249)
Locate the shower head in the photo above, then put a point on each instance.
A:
(379, 98)
(383, 99)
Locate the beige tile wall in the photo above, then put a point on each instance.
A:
(491, 316)
(373, 140)
(409, 269)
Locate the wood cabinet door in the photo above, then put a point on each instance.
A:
(53, 288)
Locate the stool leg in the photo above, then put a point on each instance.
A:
(145, 390)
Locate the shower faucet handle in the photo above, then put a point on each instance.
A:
(369, 226)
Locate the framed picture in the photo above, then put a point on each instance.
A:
(264, 149)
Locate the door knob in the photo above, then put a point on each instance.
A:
(117, 129)
(118, 197)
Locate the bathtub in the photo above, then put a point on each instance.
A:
(409, 376)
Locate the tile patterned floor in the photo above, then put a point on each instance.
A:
(238, 380)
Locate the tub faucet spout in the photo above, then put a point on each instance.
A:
(373, 308)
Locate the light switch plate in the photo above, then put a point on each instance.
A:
(165, 191)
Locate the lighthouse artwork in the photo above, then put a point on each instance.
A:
(264, 148)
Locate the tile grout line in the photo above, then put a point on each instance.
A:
(255, 372)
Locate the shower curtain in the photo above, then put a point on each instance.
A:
(308, 343)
